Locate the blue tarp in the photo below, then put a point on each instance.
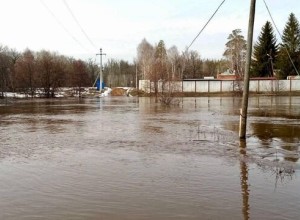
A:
(98, 85)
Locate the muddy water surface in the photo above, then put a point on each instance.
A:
(129, 158)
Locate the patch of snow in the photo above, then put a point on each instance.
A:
(62, 92)
(14, 95)
(106, 92)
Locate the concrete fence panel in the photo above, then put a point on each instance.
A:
(201, 86)
(265, 86)
(254, 86)
(226, 85)
(144, 85)
(188, 86)
(214, 86)
(177, 86)
(204, 86)
(284, 85)
(295, 85)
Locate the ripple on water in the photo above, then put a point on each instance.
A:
(126, 159)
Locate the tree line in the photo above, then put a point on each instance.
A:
(269, 58)
(44, 71)
(156, 62)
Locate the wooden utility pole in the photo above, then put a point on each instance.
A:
(243, 113)
(100, 73)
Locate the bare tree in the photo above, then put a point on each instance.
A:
(14, 55)
(164, 78)
(210, 67)
(174, 61)
(80, 76)
(193, 65)
(93, 70)
(26, 75)
(145, 55)
(51, 69)
(6, 66)
(119, 73)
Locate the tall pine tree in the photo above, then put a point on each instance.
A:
(161, 60)
(265, 52)
(290, 46)
(235, 52)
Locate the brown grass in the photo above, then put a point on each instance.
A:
(118, 92)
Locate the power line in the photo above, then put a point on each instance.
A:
(61, 24)
(281, 37)
(77, 22)
(206, 24)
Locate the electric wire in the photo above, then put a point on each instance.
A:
(61, 24)
(285, 47)
(78, 24)
(206, 24)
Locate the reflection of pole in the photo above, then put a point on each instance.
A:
(243, 118)
(100, 73)
(244, 181)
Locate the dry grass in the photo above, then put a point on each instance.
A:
(118, 92)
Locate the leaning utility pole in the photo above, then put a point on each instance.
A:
(243, 113)
(100, 73)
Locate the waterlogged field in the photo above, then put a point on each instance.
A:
(130, 158)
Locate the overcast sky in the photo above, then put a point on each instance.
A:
(79, 28)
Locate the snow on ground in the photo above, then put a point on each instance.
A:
(106, 92)
(63, 92)
(14, 95)
(73, 92)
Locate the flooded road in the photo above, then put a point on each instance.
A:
(129, 158)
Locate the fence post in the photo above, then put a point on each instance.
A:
(232, 85)
(272, 85)
(221, 85)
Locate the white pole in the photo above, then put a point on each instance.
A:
(100, 73)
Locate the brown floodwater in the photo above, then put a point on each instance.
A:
(131, 158)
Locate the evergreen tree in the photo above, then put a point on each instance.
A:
(290, 46)
(160, 60)
(159, 66)
(265, 52)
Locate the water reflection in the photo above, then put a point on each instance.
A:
(273, 126)
(275, 123)
(275, 106)
(135, 158)
(267, 130)
(244, 180)
(45, 106)
(279, 173)
(293, 157)
(282, 173)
